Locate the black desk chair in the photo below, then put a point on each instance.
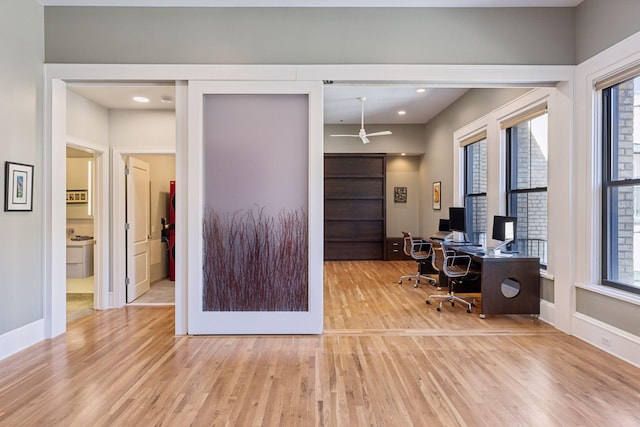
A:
(420, 251)
(456, 268)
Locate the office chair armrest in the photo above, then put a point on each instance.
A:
(422, 247)
(459, 260)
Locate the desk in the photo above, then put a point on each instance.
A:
(509, 284)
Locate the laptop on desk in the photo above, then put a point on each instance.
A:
(440, 235)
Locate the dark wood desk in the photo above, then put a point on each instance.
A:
(509, 284)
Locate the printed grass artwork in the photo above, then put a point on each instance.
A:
(255, 262)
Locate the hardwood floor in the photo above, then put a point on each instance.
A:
(161, 292)
(386, 358)
(78, 305)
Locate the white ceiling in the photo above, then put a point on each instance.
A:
(316, 3)
(119, 96)
(341, 104)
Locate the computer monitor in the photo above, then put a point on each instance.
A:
(504, 230)
(444, 225)
(457, 220)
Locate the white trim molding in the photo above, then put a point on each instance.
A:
(547, 312)
(607, 338)
(21, 338)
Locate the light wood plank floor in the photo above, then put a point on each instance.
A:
(386, 359)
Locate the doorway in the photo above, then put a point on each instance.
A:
(161, 173)
(107, 112)
(80, 231)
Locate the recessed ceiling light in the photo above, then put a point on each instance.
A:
(141, 99)
(402, 112)
(403, 154)
(421, 90)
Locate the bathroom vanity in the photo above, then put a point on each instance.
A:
(80, 258)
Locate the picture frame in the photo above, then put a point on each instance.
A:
(18, 187)
(400, 194)
(77, 196)
(437, 195)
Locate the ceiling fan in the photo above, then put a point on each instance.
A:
(363, 135)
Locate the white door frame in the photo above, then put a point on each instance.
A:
(55, 126)
(119, 217)
(100, 219)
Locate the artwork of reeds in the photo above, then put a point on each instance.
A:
(254, 261)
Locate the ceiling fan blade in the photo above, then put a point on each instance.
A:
(384, 132)
(364, 139)
(354, 136)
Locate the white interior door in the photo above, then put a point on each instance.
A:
(254, 159)
(138, 232)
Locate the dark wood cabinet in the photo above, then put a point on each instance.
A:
(354, 206)
(395, 249)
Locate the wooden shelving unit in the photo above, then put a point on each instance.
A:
(354, 206)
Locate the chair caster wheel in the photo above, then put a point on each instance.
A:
(399, 282)
(453, 304)
(428, 302)
(468, 310)
(415, 285)
(439, 308)
(482, 316)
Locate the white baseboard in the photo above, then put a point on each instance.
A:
(21, 338)
(614, 341)
(547, 312)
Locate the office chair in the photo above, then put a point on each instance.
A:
(419, 250)
(456, 269)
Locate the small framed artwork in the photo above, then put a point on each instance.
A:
(18, 187)
(436, 195)
(400, 194)
(77, 196)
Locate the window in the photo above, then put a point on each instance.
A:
(621, 185)
(475, 190)
(527, 156)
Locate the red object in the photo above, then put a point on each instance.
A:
(172, 230)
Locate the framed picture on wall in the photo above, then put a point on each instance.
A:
(77, 196)
(400, 194)
(436, 195)
(18, 187)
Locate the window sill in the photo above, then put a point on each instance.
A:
(546, 275)
(611, 292)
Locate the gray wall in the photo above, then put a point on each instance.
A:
(602, 23)
(403, 172)
(310, 35)
(612, 311)
(21, 76)
(438, 159)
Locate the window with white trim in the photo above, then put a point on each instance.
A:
(621, 181)
(475, 190)
(527, 164)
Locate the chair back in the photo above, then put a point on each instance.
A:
(416, 249)
(437, 260)
(407, 242)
